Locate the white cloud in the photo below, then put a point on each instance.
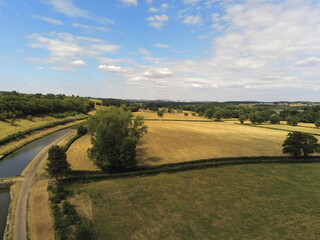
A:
(112, 68)
(90, 28)
(158, 73)
(78, 63)
(160, 45)
(157, 21)
(149, 1)
(107, 48)
(308, 62)
(192, 20)
(64, 48)
(190, 1)
(152, 9)
(49, 20)
(144, 51)
(129, 2)
(68, 8)
(164, 6)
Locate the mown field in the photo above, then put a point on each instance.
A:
(269, 201)
(170, 142)
(173, 116)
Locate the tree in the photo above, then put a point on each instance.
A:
(186, 114)
(317, 123)
(82, 130)
(242, 118)
(114, 137)
(298, 143)
(293, 121)
(160, 113)
(255, 118)
(217, 115)
(209, 113)
(57, 162)
(274, 119)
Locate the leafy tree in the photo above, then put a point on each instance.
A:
(160, 113)
(193, 114)
(209, 113)
(217, 115)
(242, 118)
(29, 117)
(82, 130)
(186, 114)
(274, 119)
(298, 143)
(114, 139)
(57, 162)
(317, 123)
(293, 121)
(255, 118)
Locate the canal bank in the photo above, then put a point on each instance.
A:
(13, 165)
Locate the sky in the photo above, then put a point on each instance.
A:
(187, 50)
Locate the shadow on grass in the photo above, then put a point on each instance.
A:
(85, 176)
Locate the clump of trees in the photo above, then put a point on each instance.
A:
(57, 162)
(299, 143)
(15, 105)
(275, 119)
(160, 113)
(293, 121)
(114, 137)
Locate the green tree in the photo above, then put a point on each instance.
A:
(274, 119)
(186, 114)
(298, 143)
(317, 123)
(293, 121)
(209, 113)
(57, 162)
(114, 139)
(217, 115)
(82, 130)
(160, 113)
(242, 118)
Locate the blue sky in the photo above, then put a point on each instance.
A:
(264, 50)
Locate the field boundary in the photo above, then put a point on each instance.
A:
(279, 129)
(187, 166)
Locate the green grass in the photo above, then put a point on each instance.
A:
(270, 201)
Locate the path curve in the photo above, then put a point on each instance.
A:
(20, 220)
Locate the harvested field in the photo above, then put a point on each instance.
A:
(170, 142)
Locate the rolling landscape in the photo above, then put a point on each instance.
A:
(145, 119)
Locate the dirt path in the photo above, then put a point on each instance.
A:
(20, 226)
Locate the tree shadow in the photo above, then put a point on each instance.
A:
(142, 157)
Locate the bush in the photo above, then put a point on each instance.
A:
(274, 119)
(85, 232)
(186, 114)
(82, 130)
(29, 117)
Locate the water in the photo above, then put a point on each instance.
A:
(4, 206)
(13, 164)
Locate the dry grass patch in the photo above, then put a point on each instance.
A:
(77, 154)
(39, 217)
(170, 142)
(172, 116)
(270, 201)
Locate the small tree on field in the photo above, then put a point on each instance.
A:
(29, 117)
(209, 113)
(57, 162)
(193, 114)
(298, 143)
(160, 113)
(293, 121)
(256, 118)
(274, 119)
(317, 123)
(242, 118)
(82, 130)
(217, 115)
(186, 114)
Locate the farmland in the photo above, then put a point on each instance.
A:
(238, 202)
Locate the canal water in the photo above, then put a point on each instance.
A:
(13, 164)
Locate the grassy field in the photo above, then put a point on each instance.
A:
(238, 202)
(77, 154)
(301, 127)
(23, 124)
(169, 142)
(174, 116)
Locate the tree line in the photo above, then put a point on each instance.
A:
(14, 104)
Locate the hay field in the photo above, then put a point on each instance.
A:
(269, 201)
(173, 116)
(170, 142)
(77, 154)
(300, 128)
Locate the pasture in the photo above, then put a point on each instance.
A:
(269, 201)
(171, 142)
